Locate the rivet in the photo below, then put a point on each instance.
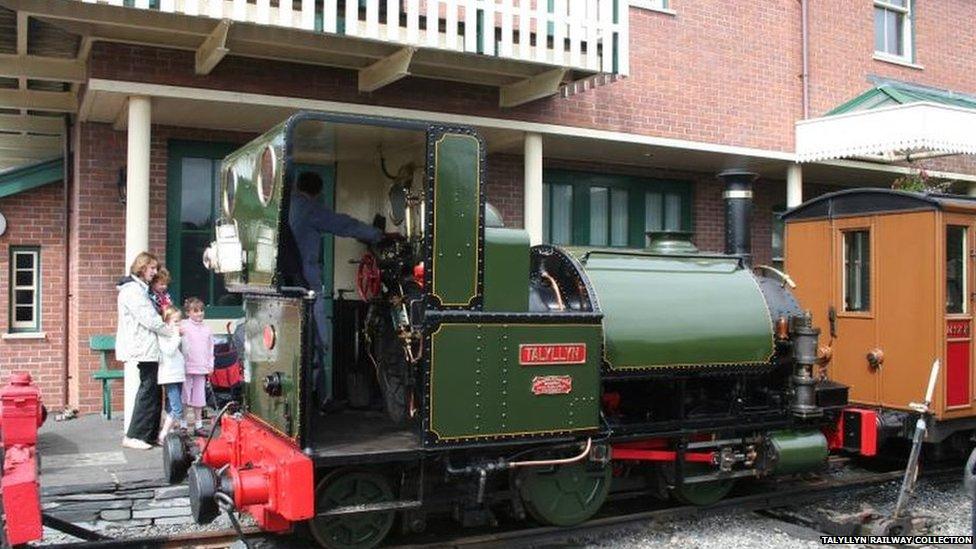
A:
(459, 254)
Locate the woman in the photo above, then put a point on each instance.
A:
(137, 344)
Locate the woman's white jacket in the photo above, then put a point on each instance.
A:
(172, 367)
(138, 324)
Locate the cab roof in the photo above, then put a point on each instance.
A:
(867, 201)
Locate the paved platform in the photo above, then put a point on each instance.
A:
(86, 455)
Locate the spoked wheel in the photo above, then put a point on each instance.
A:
(701, 493)
(354, 531)
(564, 495)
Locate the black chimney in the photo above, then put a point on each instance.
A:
(738, 212)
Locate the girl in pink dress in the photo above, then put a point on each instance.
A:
(198, 351)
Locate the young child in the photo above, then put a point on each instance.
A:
(198, 350)
(158, 293)
(172, 370)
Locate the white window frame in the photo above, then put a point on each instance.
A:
(35, 324)
(908, 39)
(663, 6)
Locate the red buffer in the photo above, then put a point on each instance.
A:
(266, 474)
(21, 413)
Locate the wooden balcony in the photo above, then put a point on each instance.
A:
(527, 48)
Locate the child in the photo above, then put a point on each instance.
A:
(172, 370)
(158, 293)
(198, 350)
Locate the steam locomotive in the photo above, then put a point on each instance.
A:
(514, 380)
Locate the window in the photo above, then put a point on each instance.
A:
(607, 210)
(657, 5)
(777, 230)
(956, 270)
(25, 290)
(857, 271)
(893, 28)
(193, 205)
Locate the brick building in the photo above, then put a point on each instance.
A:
(603, 119)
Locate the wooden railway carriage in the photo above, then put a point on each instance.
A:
(889, 278)
(514, 379)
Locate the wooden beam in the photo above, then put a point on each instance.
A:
(38, 100)
(36, 67)
(35, 124)
(23, 25)
(539, 86)
(386, 70)
(29, 142)
(213, 49)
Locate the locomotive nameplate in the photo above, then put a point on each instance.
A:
(552, 385)
(537, 354)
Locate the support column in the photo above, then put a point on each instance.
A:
(532, 213)
(136, 208)
(794, 185)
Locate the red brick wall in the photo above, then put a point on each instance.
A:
(504, 188)
(842, 49)
(680, 84)
(36, 218)
(98, 238)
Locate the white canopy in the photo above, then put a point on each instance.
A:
(888, 133)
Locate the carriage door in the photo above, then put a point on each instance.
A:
(958, 313)
(855, 304)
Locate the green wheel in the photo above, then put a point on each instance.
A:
(357, 531)
(701, 493)
(564, 495)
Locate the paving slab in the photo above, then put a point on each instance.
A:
(86, 455)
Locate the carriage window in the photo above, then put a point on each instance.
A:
(955, 269)
(857, 271)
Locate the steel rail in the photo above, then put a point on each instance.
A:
(798, 493)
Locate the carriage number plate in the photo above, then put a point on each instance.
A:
(552, 385)
(532, 354)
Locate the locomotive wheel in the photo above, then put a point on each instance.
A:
(701, 493)
(355, 531)
(564, 495)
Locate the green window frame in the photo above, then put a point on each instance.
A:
(25, 289)
(588, 222)
(185, 236)
(777, 236)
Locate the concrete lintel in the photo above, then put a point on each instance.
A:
(386, 70)
(38, 100)
(539, 86)
(213, 49)
(36, 67)
(33, 124)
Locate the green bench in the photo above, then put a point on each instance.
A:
(105, 344)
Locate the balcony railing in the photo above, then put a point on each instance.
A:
(582, 35)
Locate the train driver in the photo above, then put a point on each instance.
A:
(309, 219)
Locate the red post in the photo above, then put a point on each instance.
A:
(21, 414)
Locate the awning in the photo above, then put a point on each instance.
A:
(24, 178)
(892, 122)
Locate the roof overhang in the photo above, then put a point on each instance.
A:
(31, 176)
(888, 134)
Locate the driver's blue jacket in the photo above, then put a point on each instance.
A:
(309, 219)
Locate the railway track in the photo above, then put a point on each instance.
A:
(764, 497)
(783, 495)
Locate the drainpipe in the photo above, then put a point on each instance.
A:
(805, 76)
(66, 246)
